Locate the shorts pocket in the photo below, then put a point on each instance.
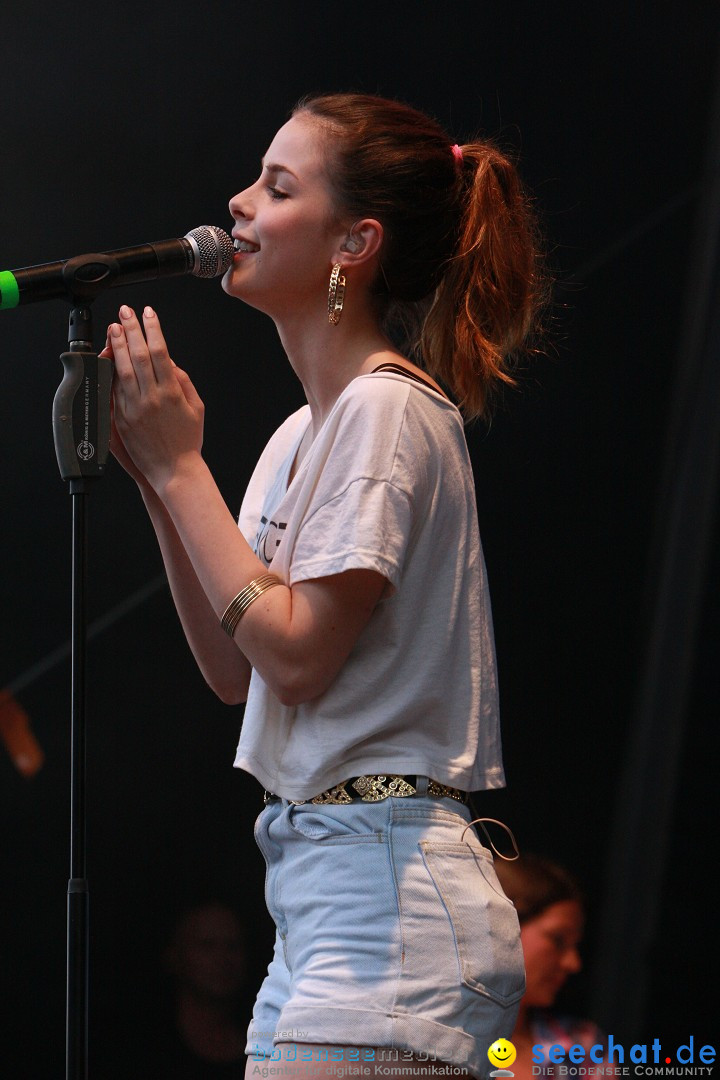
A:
(329, 830)
(484, 922)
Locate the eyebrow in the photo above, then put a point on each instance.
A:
(277, 168)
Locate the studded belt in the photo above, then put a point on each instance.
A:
(375, 788)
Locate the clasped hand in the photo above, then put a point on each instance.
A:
(157, 413)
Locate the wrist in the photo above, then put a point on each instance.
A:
(186, 469)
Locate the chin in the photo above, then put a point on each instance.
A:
(239, 291)
(542, 998)
(230, 286)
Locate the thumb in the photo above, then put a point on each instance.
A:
(107, 351)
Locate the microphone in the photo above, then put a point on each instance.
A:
(205, 252)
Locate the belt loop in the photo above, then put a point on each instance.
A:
(421, 785)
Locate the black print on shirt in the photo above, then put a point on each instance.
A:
(268, 539)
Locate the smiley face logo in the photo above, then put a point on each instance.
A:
(502, 1053)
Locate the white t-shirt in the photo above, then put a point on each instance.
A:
(387, 485)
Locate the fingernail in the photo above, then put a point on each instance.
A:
(116, 330)
(125, 312)
(149, 313)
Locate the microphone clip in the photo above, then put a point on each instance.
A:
(85, 276)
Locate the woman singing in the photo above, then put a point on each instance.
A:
(350, 608)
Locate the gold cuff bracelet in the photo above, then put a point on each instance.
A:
(237, 607)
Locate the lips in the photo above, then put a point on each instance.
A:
(244, 245)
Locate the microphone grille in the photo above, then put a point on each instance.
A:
(213, 251)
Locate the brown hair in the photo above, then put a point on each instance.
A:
(534, 884)
(463, 230)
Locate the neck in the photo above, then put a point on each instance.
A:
(327, 358)
(522, 1024)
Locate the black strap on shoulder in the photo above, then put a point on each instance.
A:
(398, 369)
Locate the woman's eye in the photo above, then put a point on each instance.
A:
(561, 943)
(276, 194)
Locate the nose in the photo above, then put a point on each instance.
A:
(571, 961)
(241, 205)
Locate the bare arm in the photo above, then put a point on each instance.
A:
(298, 638)
(224, 667)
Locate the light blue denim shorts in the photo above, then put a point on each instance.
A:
(392, 931)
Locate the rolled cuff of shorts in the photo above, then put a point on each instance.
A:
(398, 1032)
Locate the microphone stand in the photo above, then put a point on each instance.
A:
(81, 431)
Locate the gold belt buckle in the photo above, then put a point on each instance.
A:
(369, 788)
(378, 788)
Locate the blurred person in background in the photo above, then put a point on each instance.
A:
(551, 909)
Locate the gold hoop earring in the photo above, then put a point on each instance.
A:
(336, 294)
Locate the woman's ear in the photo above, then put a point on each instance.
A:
(362, 243)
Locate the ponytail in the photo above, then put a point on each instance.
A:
(486, 305)
(459, 255)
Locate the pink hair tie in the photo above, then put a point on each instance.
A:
(457, 154)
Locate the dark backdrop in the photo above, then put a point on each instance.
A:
(123, 123)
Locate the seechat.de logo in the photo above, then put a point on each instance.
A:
(616, 1060)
